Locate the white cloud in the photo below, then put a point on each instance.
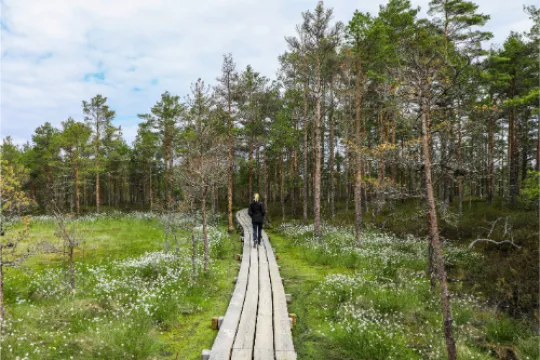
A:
(49, 48)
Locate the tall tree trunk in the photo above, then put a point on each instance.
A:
(266, 188)
(151, 192)
(513, 157)
(213, 196)
(382, 141)
(537, 167)
(491, 144)
(250, 169)
(97, 191)
(230, 169)
(282, 186)
(193, 255)
(317, 158)
(2, 311)
(71, 269)
(171, 177)
(305, 158)
(258, 173)
(85, 199)
(433, 225)
(109, 195)
(205, 231)
(165, 170)
(331, 153)
(295, 183)
(77, 191)
(460, 169)
(358, 157)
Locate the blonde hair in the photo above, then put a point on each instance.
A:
(256, 197)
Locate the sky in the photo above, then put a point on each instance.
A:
(56, 53)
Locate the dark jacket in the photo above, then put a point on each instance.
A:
(256, 211)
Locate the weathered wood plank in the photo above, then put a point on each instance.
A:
(282, 331)
(285, 355)
(264, 337)
(221, 350)
(246, 329)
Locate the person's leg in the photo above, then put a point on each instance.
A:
(254, 233)
(260, 232)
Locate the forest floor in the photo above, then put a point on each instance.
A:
(132, 299)
(375, 302)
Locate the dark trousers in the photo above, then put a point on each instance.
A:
(257, 232)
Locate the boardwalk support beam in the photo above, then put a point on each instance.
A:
(205, 355)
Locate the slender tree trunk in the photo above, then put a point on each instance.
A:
(85, 199)
(166, 165)
(295, 183)
(460, 169)
(2, 311)
(490, 159)
(331, 154)
(403, 170)
(433, 224)
(305, 158)
(171, 177)
(358, 157)
(250, 170)
(512, 161)
(537, 167)
(230, 169)
(394, 162)
(213, 195)
(150, 189)
(382, 140)
(258, 174)
(109, 195)
(205, 231)
(317, 158)
(77, 191)
(97, 191)
(282, 186)
(266, 188)
(71, 269)
(193, 255)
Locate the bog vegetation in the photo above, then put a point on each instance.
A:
(390, 122)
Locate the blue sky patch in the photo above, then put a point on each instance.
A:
(94, 76)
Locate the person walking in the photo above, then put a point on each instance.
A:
(257, 213)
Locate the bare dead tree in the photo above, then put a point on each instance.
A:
(204, 163)
(72, 238)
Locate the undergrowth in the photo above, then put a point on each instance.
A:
(132, 300)
(375, 301)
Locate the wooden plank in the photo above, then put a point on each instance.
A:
(242, 354)
(263, 354)
(285, 355)
(246, 329)
(221, 350)
(264, 337)
(282, 331)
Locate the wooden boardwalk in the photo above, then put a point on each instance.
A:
(256, 324)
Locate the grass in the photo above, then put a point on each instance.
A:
(132, 300)
(506, 277)
(375, 302)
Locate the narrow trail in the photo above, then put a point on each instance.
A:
(256, 324)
